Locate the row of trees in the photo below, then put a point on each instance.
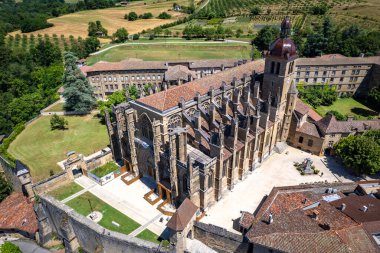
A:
(197, 31)
(132, 16)
(29, 80)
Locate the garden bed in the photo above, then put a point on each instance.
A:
(105, 169)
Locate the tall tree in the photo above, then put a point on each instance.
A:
(265, 37)
(78, 93)
(361, 153)
(46, 54)
(121, 35)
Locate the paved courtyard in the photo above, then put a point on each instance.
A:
(129, 200)
(277, 170)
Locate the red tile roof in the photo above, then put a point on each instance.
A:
(309, 129)
(246, 220)
(167, 99)
(294, 228)
(183, 215)
(16, 212)
(329, 125)
(303, 109)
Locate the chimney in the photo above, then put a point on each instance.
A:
(364, 209)
(304, 201)
(270, 220)
(315, 215)
(343, 207)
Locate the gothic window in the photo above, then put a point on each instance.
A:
(210, 180)
(278, 68)
(272, 67)
(175, 121)
(205, 106)
(267, 140)
(146, 128)
(218, 101)
(184, 183)
(191, 112)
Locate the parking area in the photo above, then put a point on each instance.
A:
(277, 170)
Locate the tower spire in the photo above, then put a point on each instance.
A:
(286, 27)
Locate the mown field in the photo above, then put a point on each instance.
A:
(41, 148)
(76, 24)
(174, 52)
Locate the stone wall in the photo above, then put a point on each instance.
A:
(9, 173)
(78, 232)
(220, 239)
(51, 183)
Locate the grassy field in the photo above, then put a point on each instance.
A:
(56, 108)
(41, 148)
(65, 191)
(105, 169)
(348, 106)
(81, 204)
(148, 236)
(174, 52)
(76, 24)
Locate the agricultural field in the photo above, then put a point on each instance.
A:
(76, 24)
(163, 52)
(40, 148)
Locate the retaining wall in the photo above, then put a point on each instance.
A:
(9, 173)
(78, 231)
(51, 183)
(220, 239)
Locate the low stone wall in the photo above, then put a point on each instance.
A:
(51, 183)
(220, 239)
(9, 173)
(78, 232)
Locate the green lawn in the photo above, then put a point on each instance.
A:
(174, 52)
(56, 108)
(41, 148)
(65, 191)
(105, 169)
(347, 106)
(148, 236)
(81, 205)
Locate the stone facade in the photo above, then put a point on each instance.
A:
(350, 75)
(199, 139)
(107, 77)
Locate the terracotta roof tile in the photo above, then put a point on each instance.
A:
(183, 215)
(16, 212)
(168, 99)
(246, 219)
(178, 72)
(309, 129)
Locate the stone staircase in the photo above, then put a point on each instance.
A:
(280, 147)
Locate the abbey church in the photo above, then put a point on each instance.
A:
(198, 139)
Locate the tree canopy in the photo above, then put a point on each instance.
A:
(265, 37)
(8, 247)
(317, 95)
(114, 99)
(361, 153)
(78, 93)
(121, 35)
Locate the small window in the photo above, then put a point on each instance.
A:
(306, 80)
(278, 68)
(332, 79)
(316, 73)
(341, 79)
(307, 73)
(272, 67)
(310, 143)
(110, 78)
(300, 140)
(115, 78)
(324, 73)
(105, 79)
(298, 73)
(343, 72)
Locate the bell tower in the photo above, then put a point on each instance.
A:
(278, 76)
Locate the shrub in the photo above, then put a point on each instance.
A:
(132, 16)
(337, 115)
(147, 15)
(164, 15)
(57, 122)
(136, 36)
(8, 247)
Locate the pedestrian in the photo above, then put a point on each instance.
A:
(321, 174)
